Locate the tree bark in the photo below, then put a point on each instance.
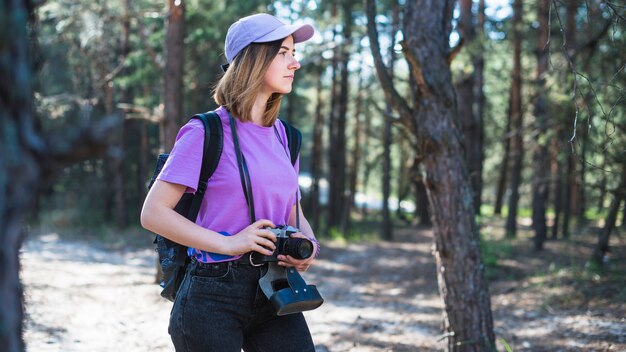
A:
(558, 184)
(479, 67)
(569, 188)
(316, 159)
(356, 157)
(541, 174)
(119, 179)
(517, 118)
(471, 125)
(504, 165)
(463, 287)
(173, 72)
(335, 189)
(387, 227)
(602, 247)
(339, 145)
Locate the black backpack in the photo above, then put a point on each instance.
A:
(173, 256)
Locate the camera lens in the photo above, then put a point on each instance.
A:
(298, 248)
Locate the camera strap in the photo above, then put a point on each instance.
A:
(297, 188)
(244, 174)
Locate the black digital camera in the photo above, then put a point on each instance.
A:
(296, 247)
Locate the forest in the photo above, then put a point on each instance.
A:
(462, 163)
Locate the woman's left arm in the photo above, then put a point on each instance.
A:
(306, 232)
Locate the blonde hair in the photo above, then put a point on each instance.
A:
(238, 88)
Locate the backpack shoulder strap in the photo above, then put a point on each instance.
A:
(294, 140)
(213, 145)
(211, 153)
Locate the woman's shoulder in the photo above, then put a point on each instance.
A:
(195, 123)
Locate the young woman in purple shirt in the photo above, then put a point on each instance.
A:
(219, 306)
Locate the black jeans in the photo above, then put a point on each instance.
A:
(221, 308)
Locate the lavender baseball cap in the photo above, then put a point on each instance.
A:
(262, 28)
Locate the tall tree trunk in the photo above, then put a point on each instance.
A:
(470, 123)
(624, 216)
(570, 180)
(119, 178)
(339, 146)
(582, 197)
(504, 165)
(517, 118)
(335, 189)
(479, 68)
(368, 165)
(316, 159)
(18, 161)
(174, 67)
(558, 182)
(387, 226)
(602, 247)
(602, 186)
(541, 174)
(463, 286)
(356, 157)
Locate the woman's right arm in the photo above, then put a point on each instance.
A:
(158, 216)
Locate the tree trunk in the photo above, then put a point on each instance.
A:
(174, 67)
(568, 193)
(387, 226)
(602, 185)
(119, 184)
(29, 158)
(570, 184)
(504, 166)
(316, 159)
(582, 197)
(463, 287)
(517, 118)
(356, 157)
(558, 184)
(624, 216)
(18, 161)
(602, 247)
(368, 165)
(339, 146)
(470, 123)
(335, 190)
(479, 67)
(541, 174)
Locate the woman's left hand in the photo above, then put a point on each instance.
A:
(299, 264)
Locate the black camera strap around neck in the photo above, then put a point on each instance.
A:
(297, 188)
(244, 174)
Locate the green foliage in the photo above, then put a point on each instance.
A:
(492, 251)
(506, 345)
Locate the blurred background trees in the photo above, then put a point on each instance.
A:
(539, 98)
(539, 91)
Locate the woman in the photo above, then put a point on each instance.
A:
(219, 306)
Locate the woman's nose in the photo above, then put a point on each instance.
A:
(295, 65)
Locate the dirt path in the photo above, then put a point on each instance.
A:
(379, 297)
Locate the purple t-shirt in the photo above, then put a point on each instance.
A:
(224, 209)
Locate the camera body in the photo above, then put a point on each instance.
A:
(296, 247)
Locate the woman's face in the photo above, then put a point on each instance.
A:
(280, 74)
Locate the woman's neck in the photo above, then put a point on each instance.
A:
(258, 109)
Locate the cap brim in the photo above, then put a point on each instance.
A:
(300, 33)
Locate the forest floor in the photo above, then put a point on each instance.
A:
(99, 294)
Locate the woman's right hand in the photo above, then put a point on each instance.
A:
(253, 238)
